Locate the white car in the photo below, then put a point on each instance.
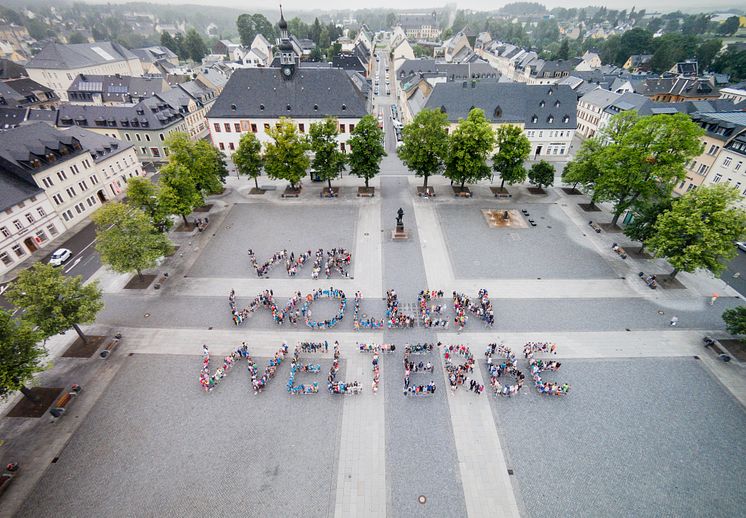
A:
(60, 256)
(741, 245)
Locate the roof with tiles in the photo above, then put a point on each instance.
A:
(537, 106)
(311, 92)
(79, 55)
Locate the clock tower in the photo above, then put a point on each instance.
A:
(286, 51)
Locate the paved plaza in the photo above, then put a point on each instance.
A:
(653, 423)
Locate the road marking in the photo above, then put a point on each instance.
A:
(73, 265)
(3, 288)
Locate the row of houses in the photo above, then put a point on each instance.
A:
(52, 179)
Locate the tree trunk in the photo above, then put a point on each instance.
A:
(186, 223)
(463, 182)
(80, 333)
(575, 186)
(139, 275)
(674, 273)
(642, 248)
(366, 182)
(256, 182)
(615, 219)
(29, 395)
(424, 184)
(502, 185)
(329, 182)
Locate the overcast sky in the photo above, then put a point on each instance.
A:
(484, 5)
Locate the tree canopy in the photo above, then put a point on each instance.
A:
(366, 145)
(700, 229)
(425, 143)
(285, 157)
(249, 25)
(177, 193)
(513, 148)
(735, 320)
(248, 157)
(541, 174)
(127, 240)
(205, 165)
(20, 355)
(144, 195)
(468, 148)
(54, 302)
(328, 161)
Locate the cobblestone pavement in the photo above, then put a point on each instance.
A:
(640, 437)
(645, 431)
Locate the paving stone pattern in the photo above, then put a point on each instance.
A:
(157, 445)
(478, 252)
(641, 437)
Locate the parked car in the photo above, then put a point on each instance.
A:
(60, 256)
(741, 245)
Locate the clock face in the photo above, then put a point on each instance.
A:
(286, 71)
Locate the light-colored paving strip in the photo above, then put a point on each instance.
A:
(361, 473)
(488, 491)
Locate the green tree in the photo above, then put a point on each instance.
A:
(706, 53)
(513, 148)
(127, 240)
(54, 302)
(425, 143)
(195, 45)
(20, 355)
(285, 157)
(468, 148)
(735, 320)
(181, 48)
(143, 194)
(564, 50)
(249, 25)
(77, 37)
(699, 230)
(585, 168)
(328, 161)
(644, 157)
(541, 174)
(642, 226)
(178, 194)
(732, 62)
(366, 145)
(391, 19)
(170, 43)
(729, 27)
(204, 163)
(248, 157)
(422, 51)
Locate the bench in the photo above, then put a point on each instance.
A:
(463, 194)
(619, 250)
(711, 343)
(595, 227)
(7, 477)
(649, 280)
(532, 222)
(268, 187)
(113, 343)
(525, 212)
(60, 406)
(160, 281)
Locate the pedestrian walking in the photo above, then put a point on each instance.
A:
(714, 298)
(674, 321)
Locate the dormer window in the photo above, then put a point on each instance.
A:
(541, 104)
(344, 107)
(534, 119)
(566, 119)
(550, 119)
(550, 92)
(261, 107)
(498, 112)
(557, 103)
(315, 107)
(287, 107)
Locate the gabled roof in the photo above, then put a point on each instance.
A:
(537, 106)
(79, 55)
(11, 117)
(100, 146)
(11, 70)
(14, 190)
(348, 62)
(153, 54)
(600, 97)
(121, 88)
(150, 114)
(311, 93)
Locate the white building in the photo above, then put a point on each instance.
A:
(56, 66)
(591, 108)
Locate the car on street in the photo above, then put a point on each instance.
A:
(60, 256)
(741, 245)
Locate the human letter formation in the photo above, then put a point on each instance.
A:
(334, 260)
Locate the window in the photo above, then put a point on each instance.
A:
(217, 127)
(231, 146)
(58, 199)
(352, 128)
(20, 252)
(237, 127)
(221, 146)
(341, 128)
(94, 179)
(41, 212)
(147, 137)
(5, 231)
(127, 136)
(727, 161)
(713, 149)
(703, 170)
(738, 165)
(47, 182)
(717, 178)
(30, 217)
(5, 258)
(70, 192)
(74, 169)
(227, 127)
(41, 235)
(691, 187)
(253, 128)
(266, 126)
(52, 229)
(91, 201)
(17, 223)
(155, 151)
(62, 176)
(83, 186)
(301, 127)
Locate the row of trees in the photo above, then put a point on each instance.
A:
(634, 164)
(461, 156)
(189, 46)
(286, 157)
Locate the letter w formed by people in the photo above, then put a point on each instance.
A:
(259, 379)
(329, 261)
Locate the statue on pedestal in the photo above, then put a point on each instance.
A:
(400, 220)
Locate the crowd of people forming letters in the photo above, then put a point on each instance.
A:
(336, 259)
(506, 379)
(297, 307)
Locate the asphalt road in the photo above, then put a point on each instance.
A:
(735, 273)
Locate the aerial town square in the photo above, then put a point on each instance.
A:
(367, 293)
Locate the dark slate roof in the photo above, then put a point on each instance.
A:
(13, 190)
(416, 20)
(49, 116)
(537, 106)
(10, 117)
(676, 86)
(311, 92)
(113, 88)
(79, 55)
(150, 114)
(348, 62)
(18, 146)
(11, 70)
(100, 146)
